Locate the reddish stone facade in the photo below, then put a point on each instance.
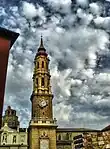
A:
(4, 52)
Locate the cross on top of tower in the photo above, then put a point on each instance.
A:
(41, 47)
(41, 43)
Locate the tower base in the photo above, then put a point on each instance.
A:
(42, 134)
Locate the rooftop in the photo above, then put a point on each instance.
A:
(12, 36)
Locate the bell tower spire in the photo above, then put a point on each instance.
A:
(41, 47)
(41, 98)
(41, 43)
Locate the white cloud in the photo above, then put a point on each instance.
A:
(83, 3)
(62, 112)
(86, 18)
(95, 8)
(29, 10)
(2, 11)
(103, 22)
(61, 6)
(99, 20)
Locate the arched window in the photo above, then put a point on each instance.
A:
(67, 136)
(8, 112)
(42, 64)
(4, 138)
(48, 82)
(42, 81)
(37, 81)
(47, 65)
(34, 115)
(12, 112)
(59, 137)
(37, 64)
(14, 139)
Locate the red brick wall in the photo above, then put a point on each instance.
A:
(4, 53)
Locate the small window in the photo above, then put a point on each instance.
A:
(42, 81)
(42, 64)
(37, 64)
(67, 136)
(47, 65)
(14, 139)
(48, 82)
(37, 81)
(4, 138)
(59, 137)
(13, 123)
(12, 112)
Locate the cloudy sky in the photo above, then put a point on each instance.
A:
(76, 36)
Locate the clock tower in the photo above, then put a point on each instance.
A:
(42, 127)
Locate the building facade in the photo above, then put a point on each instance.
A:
(10, 118)
(11, 135)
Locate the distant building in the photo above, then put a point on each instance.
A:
(11, 136)
(10, 118)
(71, 138)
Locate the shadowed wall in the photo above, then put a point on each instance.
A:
(7, 38)
(4, 52)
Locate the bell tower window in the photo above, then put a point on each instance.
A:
(42, 64)
(42, 81)
(37, 64)
(47, 65)
(37, 81)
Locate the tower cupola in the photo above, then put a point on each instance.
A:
(41, 49)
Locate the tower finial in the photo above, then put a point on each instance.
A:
(41, 47)
(41, 42)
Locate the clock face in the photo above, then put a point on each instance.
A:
(42, 103)
(44, 144)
